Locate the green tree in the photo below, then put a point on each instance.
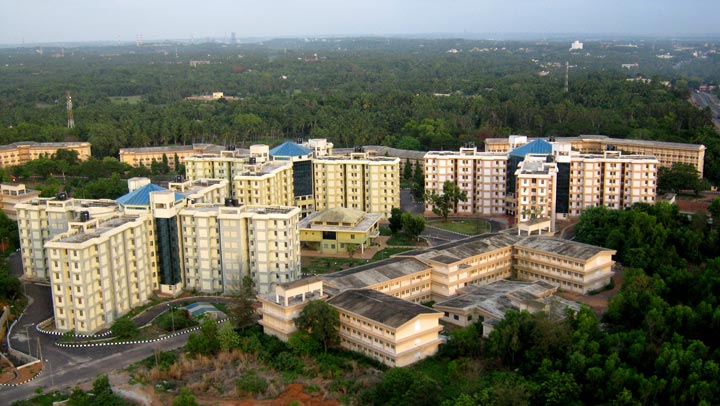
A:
(413, 225)
(351, 249)
(396, 220)
(79, 397)
(680, 177)
(124, 328)
(407, 170)
(227, 337)
(714, 210)
(321, 321)
(241, 311)
(418, 181)
(446, 202)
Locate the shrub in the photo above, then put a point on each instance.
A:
(251, 383)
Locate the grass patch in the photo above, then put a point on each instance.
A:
(387, 252)
(402, 239)
(385, 231)
(43, 400)
(126, 99)
(467, 227)
(323, 265)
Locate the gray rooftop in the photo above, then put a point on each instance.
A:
(498, 297)
(373, 273)
(102, 228)
(394, 152)
(384, 309)
(566, 248)
(462, 249)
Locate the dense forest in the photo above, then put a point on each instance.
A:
(406, 93)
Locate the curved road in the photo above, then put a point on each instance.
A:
(70, 366)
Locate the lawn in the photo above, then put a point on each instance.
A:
(403, 240)
(467, 227)
(126, 99)
(323, 265)
(47, 399)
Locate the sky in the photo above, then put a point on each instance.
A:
(45, 21)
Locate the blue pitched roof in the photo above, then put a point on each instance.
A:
(141, 197)
(536, 147)
(289, 148)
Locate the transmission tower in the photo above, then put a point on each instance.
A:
(71, 121)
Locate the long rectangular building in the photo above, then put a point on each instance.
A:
(667, 153)
(25, 151)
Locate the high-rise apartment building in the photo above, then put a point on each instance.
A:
(481, 175)
(222, 244)
(369, 184)
(99, 270)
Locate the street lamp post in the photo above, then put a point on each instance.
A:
(172, 317)
(27, 337)
(52, 376)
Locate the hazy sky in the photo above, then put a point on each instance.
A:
(87, 20)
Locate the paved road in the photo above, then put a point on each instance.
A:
(704, 99)
(72, 365)
(409, 204)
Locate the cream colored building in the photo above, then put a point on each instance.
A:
(202, 191)
(490, 302)
(667, 153)
(145, 156)
(100, 269)
(474, 261)
(40, 220)
(481, 175)
(285, 303)
(383, 327)
(611, 179)
(25, 151)
(320, 147)
(12, 194)
(535, 189)
(570, 265)
(333, 230)
(269, 184)
(360, 182)
(222, 244)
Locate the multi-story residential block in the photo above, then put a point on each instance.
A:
(482, 176)
(285, 303)
(333, 230)
(269, 184)
(100, 269)
(667, 153)
(202, 191)
(535, 188)
(369, 184)
(225, 165)
(320, 147)
(146, 156)
(611, 179)
(21, 152)
(12, 194)
(40, 220)
(301, 158)
(222, 244)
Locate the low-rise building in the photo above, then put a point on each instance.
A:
(391, 330)
(22, 152)
(145, 156)
(334, 230)
(489, 303)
